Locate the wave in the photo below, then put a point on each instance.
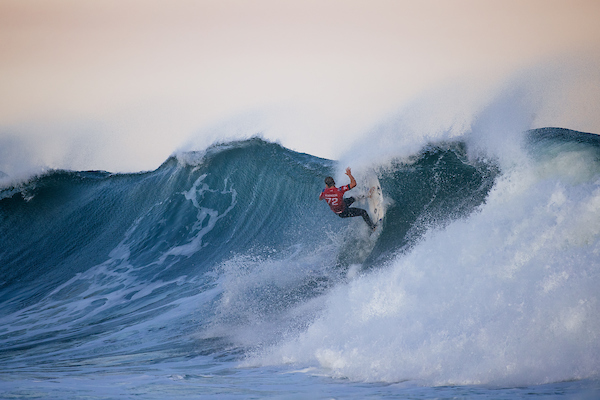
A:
(480, 274)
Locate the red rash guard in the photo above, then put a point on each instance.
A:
(335, 197)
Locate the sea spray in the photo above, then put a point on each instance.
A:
(504, 296)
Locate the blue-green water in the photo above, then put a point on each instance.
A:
(221, 275)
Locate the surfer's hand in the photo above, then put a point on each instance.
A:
(352, 180)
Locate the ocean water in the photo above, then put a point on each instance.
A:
(221, 275)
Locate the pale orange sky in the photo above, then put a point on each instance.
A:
(120, 85)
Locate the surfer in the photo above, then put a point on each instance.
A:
(340, 205)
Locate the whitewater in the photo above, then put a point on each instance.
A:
(221, 275)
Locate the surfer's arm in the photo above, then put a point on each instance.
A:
(352, 180)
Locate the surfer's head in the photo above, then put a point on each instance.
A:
(329, 181)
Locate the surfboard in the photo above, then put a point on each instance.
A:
(371, 199)
(376, 208)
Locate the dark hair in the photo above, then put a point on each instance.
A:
(329, 181)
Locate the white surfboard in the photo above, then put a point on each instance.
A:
(374, 200)
(371, 199)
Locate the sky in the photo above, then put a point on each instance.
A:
(120, 85)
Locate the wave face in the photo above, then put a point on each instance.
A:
(479, 275)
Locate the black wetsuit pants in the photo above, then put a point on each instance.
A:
(355, 212)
